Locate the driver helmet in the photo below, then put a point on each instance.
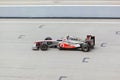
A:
(71, 38)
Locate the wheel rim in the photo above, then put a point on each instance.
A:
(43, 47)
(85, 48)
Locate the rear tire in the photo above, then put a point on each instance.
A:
(92, 47)
(44, 47)
(85, 48)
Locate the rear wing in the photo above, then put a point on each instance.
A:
(91, 38)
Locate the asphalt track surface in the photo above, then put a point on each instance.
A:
(59, 2)
(19, 62)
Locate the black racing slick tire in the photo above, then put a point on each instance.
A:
(44, 47)
(85, 48)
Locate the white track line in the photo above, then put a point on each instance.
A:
(57, 22)
(36, 5)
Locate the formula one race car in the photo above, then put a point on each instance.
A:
(45, 44)
(68, 42)
(76, 43)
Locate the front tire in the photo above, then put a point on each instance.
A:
(44, 47)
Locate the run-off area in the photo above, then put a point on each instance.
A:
(19, 62)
